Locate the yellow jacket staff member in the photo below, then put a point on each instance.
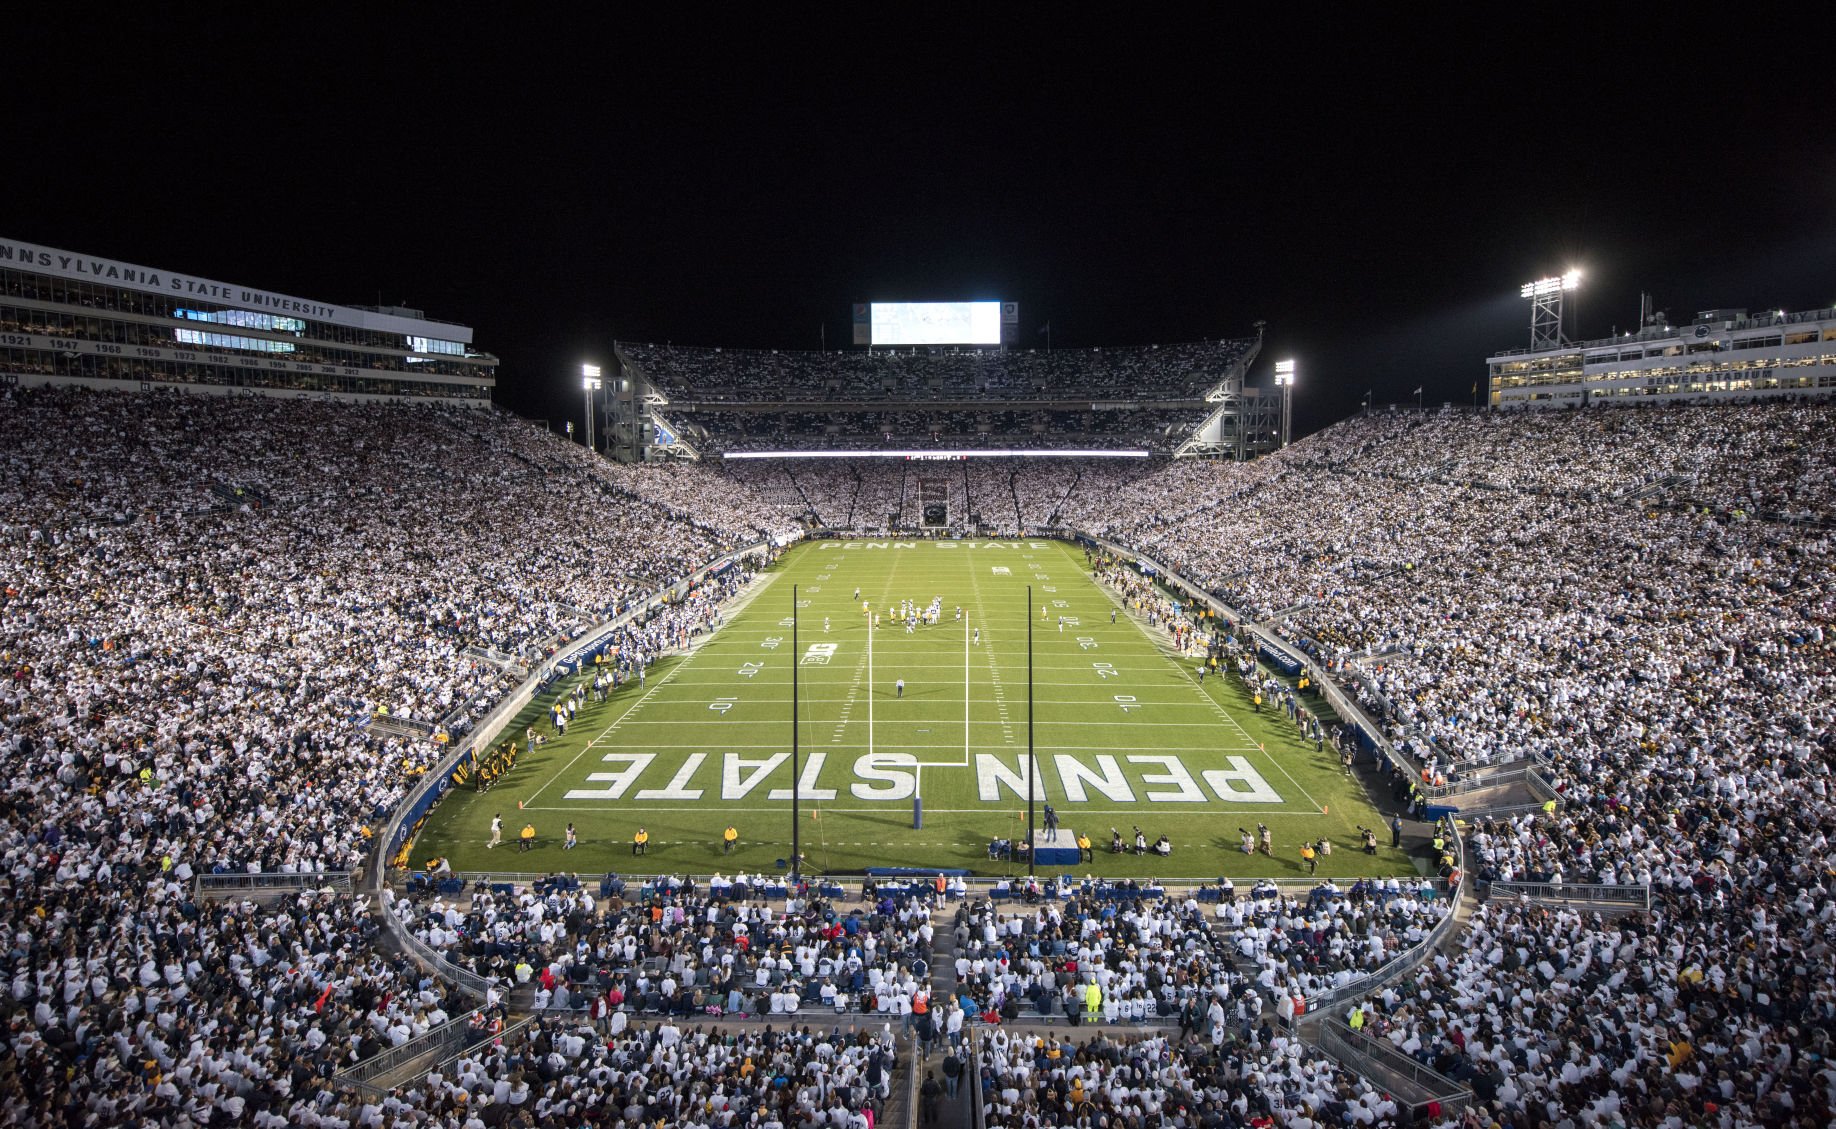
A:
(729, 837)
(640, 843)
(527, 836)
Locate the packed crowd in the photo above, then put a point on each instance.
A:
(1636, 600)
(1676, 1019)
(1201, 1078)
(207, 607)
(1304, 948)
(721, 430)
(560, 1073)
(686, 951)
(1106, 959)
(1153, 372)
(202, 597)
(999, 497)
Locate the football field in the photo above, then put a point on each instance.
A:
(1124, 735)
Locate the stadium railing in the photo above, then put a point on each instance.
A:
(1378, 1060)
(1407, 961)
(474, 985)
(434, 784)
(1637, 897)
(972, 1078)
(1540, 784)
(441, 1040)
(912, 1067)
(270, 882)
(848, 887)
(1474, 782)
(1497, 811)
(444, 1066)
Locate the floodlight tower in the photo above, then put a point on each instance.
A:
(589, 380)
(1545, 296)
(1284, 380)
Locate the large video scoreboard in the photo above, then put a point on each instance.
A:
(935, 323)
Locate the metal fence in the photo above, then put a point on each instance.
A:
(440, 1040)
(467, 981)
(1600, 897)
(1540, 785)
(1379, 1061)
(1474, 782)
(972, 1078)
(912, 1110)
(636, 885)
(269, 882)
(1405, 962)
(444, 1066)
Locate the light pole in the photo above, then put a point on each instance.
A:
(1284, 380)
(1545, 296)
(589, 380)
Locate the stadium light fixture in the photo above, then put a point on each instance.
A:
(1284, 380)
(590, 382)
(1545, 296)
(1545, 286)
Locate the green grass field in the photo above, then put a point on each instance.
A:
(1124, 735)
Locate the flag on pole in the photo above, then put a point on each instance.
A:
(1418, 390)
(1046, 328)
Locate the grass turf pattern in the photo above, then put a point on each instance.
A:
(1125, 735)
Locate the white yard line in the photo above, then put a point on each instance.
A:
(595, 742)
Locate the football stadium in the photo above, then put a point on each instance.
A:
(953, 724)
(1170, 719)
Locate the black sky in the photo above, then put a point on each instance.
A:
(1374, 186)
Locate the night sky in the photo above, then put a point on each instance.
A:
(1374, 186)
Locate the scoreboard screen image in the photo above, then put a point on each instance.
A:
(936, 323)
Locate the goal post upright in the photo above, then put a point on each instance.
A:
(1031, 787)
(796, 859)
(966, 691)
(870, 634)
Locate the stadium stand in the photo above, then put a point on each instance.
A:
(903, 428)
(1630, 601)
(1161, 1080)
(992, 496)
(677, 951)
(727, 400)
(566, 1071)
(1154, 372)
(1643, 616)
(207, 605)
